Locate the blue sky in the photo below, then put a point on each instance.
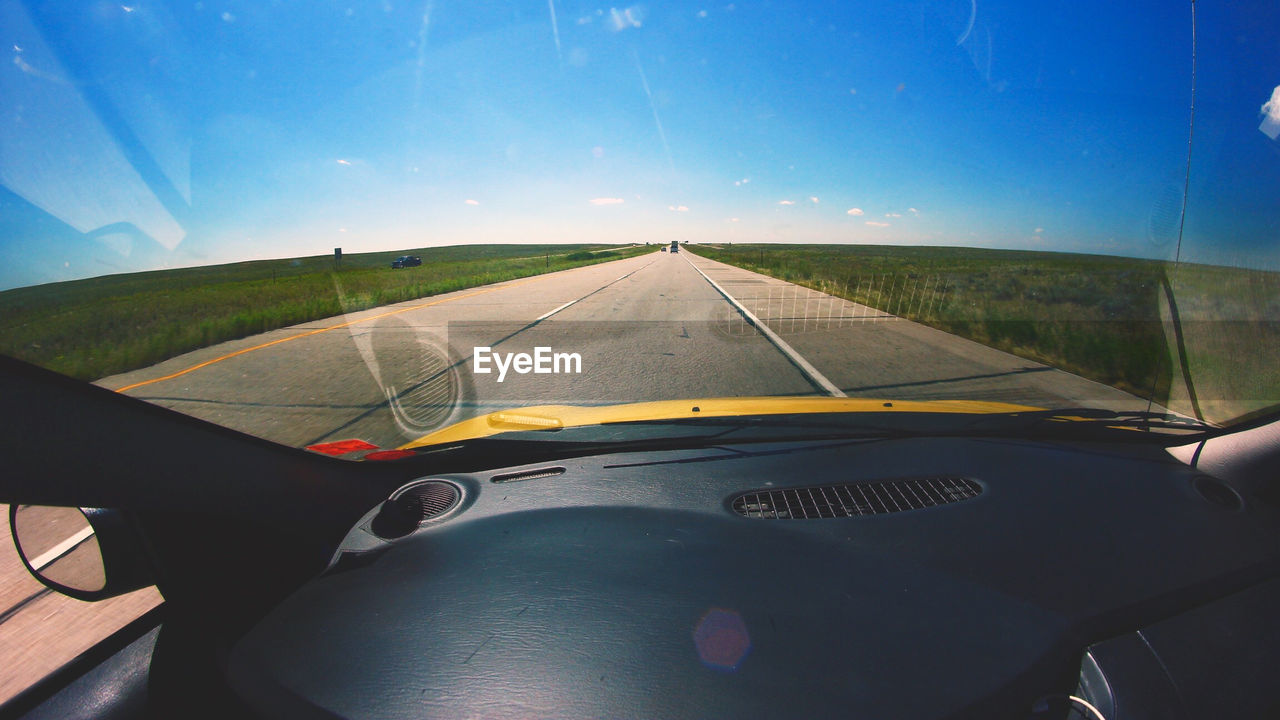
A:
(141, 135)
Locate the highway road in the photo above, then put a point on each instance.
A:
(658, 326)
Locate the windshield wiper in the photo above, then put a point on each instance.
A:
(952, 424)
(1082, 421)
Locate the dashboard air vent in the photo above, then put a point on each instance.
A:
(837, 501)
(431, 499)
(1217, 492)
(415, 504)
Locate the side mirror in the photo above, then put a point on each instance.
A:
(84, 553)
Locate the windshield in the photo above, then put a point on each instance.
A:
(208, 206)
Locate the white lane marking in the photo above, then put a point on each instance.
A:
(571, 302)
(796, 358)
(553, 312)
(61, 549)
(593, 292)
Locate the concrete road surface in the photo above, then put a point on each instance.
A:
(658, 326)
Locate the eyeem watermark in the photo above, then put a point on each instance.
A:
(542, 362)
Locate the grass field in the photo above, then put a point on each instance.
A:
(1104, 318)
(102, 326)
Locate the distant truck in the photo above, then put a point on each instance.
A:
(675, 246)
(405, 261)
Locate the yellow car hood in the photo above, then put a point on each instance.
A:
(551, 417)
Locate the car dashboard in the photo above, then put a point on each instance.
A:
(905, 577)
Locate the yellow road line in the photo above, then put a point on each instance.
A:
(349, 323)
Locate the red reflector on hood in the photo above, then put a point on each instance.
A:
(341, 447)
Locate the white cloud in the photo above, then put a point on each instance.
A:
(469, 201)
(743, 181)
(913, 211)
(893, 215)
(855, 211)
(607, 201)
(874, 223)
(1271, 115)
(678, 208)
(786, 202)
(702, 13)
(343, 162)
(733, 219)
(1039, 230)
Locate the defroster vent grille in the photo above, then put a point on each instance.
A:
(849, 500)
